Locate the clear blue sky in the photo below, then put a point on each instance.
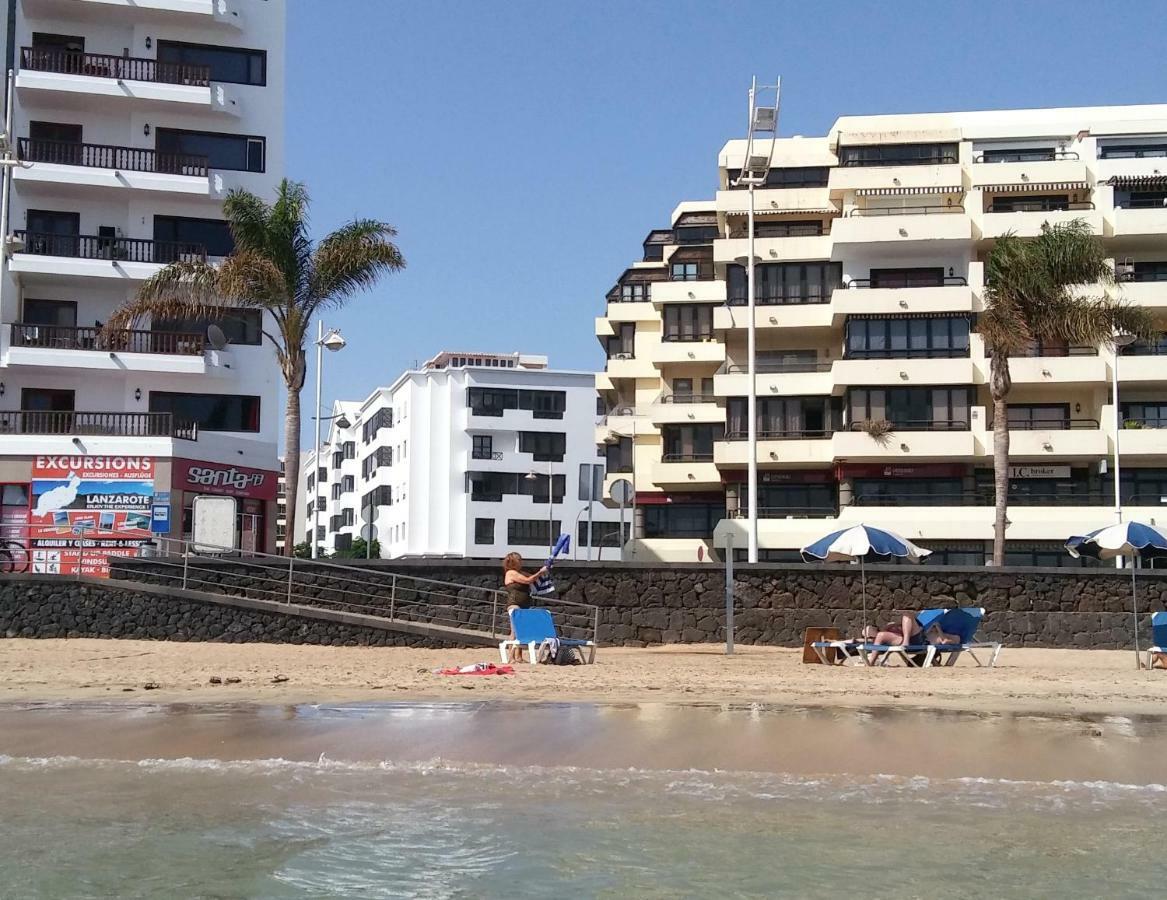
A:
(523, 149)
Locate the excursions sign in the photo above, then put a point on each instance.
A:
(200, 477)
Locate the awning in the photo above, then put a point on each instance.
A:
(1030, 186)
(1138, 182)
(692, 219)
(906, 191)
(771, 211)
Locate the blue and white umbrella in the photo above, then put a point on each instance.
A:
(863, 543)
(1122, 539)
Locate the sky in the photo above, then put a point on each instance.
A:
(524, 149)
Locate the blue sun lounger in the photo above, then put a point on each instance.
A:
(532, 628)
(1158, 636)
(961, 621)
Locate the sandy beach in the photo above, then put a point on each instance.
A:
(1039, 681)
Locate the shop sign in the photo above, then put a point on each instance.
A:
(199, 477)
(880, 470)
(1039, 471)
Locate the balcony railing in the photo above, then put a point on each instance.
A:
(791, 512)
(779, 368)
(947, 281)
(909, 353)
(106, 156)
(1073, 350)
(1027, 156)
(904, 210)
(1137, 277)
(59, 337)
(118, 424)
(813, 434)
(1039, 206)
(687, 457)
(1142, 203)
(1055, 425)
(1134, 423)
(919, 425)
(689, 398)
(104, 65)
(800, 300)
(677, 337)
(87, 246)
(495, 455)
(1145, 348)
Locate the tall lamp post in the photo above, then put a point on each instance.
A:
(1118, 340)
(331, 342)
(533, 476)
(763, 131)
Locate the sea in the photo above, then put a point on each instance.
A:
(582, 800)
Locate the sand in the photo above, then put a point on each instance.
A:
(1038, 681)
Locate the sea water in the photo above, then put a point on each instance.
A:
(235, 825)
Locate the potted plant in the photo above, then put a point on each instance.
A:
(876, 428)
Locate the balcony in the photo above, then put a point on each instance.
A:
(920, 441)
(776, 379)
(954, 295)
(1140, 218)
(681, 408)
(98, 256)
(1030, 168)
(1151, 293)
(1027, 219)
(942, 175)
(172, 12)
(876, 368)
(1074, 439)
(89, 348)
(1145, 438)
(81, 79)
(109, 424)
(625, 365)
(1144, 367)
(1074, 365)
(687, 292)
(768, 202)
(685, 470)
(903, 225)
(704, 350)
(811, 311)
(777, 249)
(103, 165)
(776, 449)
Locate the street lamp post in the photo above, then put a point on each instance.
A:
(533, 476)
(1118, 340)
(331, 342)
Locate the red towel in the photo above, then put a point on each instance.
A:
(478, 669)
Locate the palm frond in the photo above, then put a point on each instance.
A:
(186, 289)
(247, 216)
(1072, 255)
(252, 278)
(1004, 329)
(1089, 320)
(352, 259)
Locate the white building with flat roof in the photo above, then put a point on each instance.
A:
(133, 120)
(472, 454)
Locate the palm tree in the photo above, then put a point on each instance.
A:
(274, 268)
(1035, 291)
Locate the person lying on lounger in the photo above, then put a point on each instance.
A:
(904, 632)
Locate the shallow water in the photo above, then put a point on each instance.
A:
(269, 815)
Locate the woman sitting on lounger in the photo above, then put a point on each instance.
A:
(905, 632)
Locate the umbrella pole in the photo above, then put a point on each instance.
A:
(1135, 609)
(863, 591)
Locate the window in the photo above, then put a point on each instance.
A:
(688, 322)
(682, 520)
(239, 326)
(53, 233)
(230, 152)
(908, 491)
(1037, 416)
(348, 483)
(336, 491)
(212, 234)
(683, 271)
(636, 292)
(491, 487)
(382, 418)
(234, 65)
(695, 234)
(320, 532)
(484, 531)
(532, 532)
(781, 283)
(346, 518)
(1048, 554)
(211, 412)
(382, 456)
(46, 400)
(1141, 487)
(337, 459)
(920, 409)
(62, 313)
(378, 496)
(1029, 203)
(544, 446)
(622, 345)
(783, 500)
(802, 228)
(921, 276)
(1140, 199)
(485, 401)
(899, 155)
(1131, 151)
(603, 534)
(482, 446)
(618, 455)
(311, 482)
(544, 404)
(1024, 154)
(349, 450)
(690, 443)
(1144, 414)
(342, 541)
(789, 177)
(1156, 346)
(1146, 271)
(925, 337)
(322, 474)
(781, 417)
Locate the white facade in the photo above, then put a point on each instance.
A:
(133, 124)
(453, 459)
(871, 245)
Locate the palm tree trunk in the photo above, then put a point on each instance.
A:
(1000, 476)
(292, 470)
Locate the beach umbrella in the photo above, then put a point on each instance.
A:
(863, 543)
(1122, 539)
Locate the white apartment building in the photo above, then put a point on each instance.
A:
(870, 251)
(470, 455)
(133, 119)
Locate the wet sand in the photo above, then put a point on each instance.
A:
(1056, 682)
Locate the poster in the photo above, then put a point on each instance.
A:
(85, 509)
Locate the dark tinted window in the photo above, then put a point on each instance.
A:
(213, 234)
(682, 520)
(236, 152)
(779, 283)
(212, 412)
(232, 64)
(239, 326)
(532, 532)
(898, 155)
(544, 446)
(484, 531)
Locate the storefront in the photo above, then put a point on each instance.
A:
(254, 489)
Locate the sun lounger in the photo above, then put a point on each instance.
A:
(1158, 636)
(532, 628)
(961, 622)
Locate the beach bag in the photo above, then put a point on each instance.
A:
(552, 653)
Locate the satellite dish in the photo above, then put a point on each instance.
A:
(216, 338)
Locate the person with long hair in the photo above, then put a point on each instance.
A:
(517, 585)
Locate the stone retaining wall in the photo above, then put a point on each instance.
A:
(642, 604)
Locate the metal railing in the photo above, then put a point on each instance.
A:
(1058, 352)
(88, 246)
(1136, 422)
(1140, 277)
(1142, 203)
(790, 512)
(811, 434)
(120, 424)
(108, 156)
(946, 281)
(780, 368)
(697, 337)
(688, 398)
(1027, 156)
(919, 425)
(904, 210)
(794, 229)
(105, 65)
(1066, 424)
(1039, 206)
(909, 353)
(939, 159)
(802, 300)
(373, 591)
(687, 457)
(60, 337)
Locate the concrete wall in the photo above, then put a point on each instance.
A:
(643, 604)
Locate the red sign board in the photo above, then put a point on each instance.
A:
(201, 477)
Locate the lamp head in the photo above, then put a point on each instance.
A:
(333, 341)
(343, 422)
